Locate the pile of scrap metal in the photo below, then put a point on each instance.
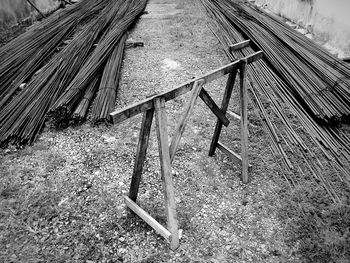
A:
(66, 61)
(297, 81)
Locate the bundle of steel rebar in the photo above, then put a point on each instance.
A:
(69, 99)
(79, 64)
(25, 55)
(105, 100)
(117, 11)
(279, 104)
(81, 111)
(317, 80)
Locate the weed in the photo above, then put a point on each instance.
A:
(320, 228)
(54, 160)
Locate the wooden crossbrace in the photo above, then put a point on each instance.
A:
(233, 115)
(154, 108)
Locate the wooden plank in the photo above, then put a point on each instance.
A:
(132, 110)
(164, 156)
(224, 105)
(204, 95)
(244, 121)
(161, 230)
(239, 45)
(141, 153)
(180, 128)
(253, 57)
(233, 115)
(234, 156)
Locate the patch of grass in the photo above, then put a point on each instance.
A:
(54, 160)
(8, 191)
(318, 228)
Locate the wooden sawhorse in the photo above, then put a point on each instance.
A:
(154, 108)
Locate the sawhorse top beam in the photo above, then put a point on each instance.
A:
(146, 104)
(239, 46)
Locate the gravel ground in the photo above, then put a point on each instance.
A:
(61, 200)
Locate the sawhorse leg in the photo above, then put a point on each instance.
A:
(164, 155)
(243, 159)
(244, 120)
(141, 153)
(172, 232)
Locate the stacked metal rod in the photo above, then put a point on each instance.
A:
(25, 55)
(81, 111)
(108, 53)
(79, 64)
(304, 66)
(72, 100)
(105, 100)
(277, 100)
(68, 100)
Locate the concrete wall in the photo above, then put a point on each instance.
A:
(12, 11)
(329, 20)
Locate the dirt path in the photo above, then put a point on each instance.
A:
(61, 199)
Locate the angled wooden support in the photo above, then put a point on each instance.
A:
(161, 230)
(234, 156)
(180, 128)
(204, 95)
(237, 159)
